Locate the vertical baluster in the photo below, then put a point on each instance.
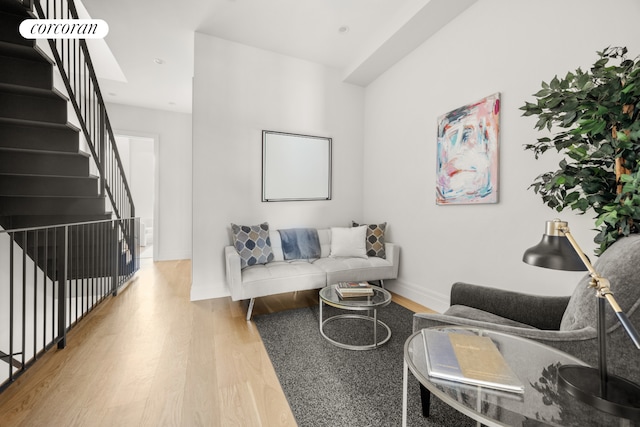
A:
(35, 293)
(77, 272)
(113, 266)
(93, 264)
(103, 252)
(83, 264)
(63, 246)
(45, 270)
(98, 264)
(103, 146)
(83, 89)
(54, 281)
(68, 275)
(76, 72)
(98, 271)
(74, 269)
(11, 303)
(23, 344)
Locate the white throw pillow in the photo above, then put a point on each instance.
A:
(349, 242)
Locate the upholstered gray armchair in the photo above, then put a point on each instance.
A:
(566, 323)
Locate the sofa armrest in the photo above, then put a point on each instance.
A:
(233, 271)
(542, 312)
(392, 252)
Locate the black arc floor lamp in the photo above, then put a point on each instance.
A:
(558, 250)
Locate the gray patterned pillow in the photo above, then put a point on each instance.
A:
(252, 243)
(375, 239)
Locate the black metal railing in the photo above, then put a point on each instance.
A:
(51, 278)
(79, 77)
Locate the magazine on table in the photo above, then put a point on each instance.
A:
(470, 359)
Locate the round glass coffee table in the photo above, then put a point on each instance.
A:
(536, 364)
(380, 298)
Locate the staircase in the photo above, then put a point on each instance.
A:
(53, 275)
(44, 177)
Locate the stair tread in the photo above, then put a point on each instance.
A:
(35, 59)
(23, 122)
(47, 152)
(46, 196)
(33, 53)
(31, 175)
(32, 91)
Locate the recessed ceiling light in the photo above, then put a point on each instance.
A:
(172, 103)
(158, 61)
(343, 30)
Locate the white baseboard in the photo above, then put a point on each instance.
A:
(420, 294)
(171, 256)
(206, 292)
(433, 300)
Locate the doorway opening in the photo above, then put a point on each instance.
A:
(138, 155)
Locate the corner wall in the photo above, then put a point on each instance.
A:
(494, 46)
(238, 91)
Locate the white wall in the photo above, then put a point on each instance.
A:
(501, 46)
(239, 91)
(173, 135)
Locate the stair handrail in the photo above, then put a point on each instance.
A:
(76, 69)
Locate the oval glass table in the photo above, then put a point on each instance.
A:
(535, 364)
(380, 298)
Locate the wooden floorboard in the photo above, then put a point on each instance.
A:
(151, 357)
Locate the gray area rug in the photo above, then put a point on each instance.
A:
(330, 386)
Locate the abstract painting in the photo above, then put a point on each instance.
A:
(467, 157)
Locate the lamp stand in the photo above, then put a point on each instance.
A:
(597, 388)
(593, 386)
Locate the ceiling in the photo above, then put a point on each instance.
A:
(150, 63)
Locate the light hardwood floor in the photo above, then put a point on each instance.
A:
(151, 357)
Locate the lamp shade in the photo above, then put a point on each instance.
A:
(554, 250)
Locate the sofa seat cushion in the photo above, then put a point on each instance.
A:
(482, 316)
(278, 270)
(280, 276)
(355, 269)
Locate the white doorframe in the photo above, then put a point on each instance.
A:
(156, 180)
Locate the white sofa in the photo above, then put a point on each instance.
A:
(280, 275)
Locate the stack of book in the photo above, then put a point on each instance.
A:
(354, 289)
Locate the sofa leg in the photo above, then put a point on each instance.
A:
(250, 309)
(381, 283)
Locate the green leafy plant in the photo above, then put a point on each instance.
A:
(596, 119)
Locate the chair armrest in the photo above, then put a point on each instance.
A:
(582, 343)
(542, 312)
(233, 272)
